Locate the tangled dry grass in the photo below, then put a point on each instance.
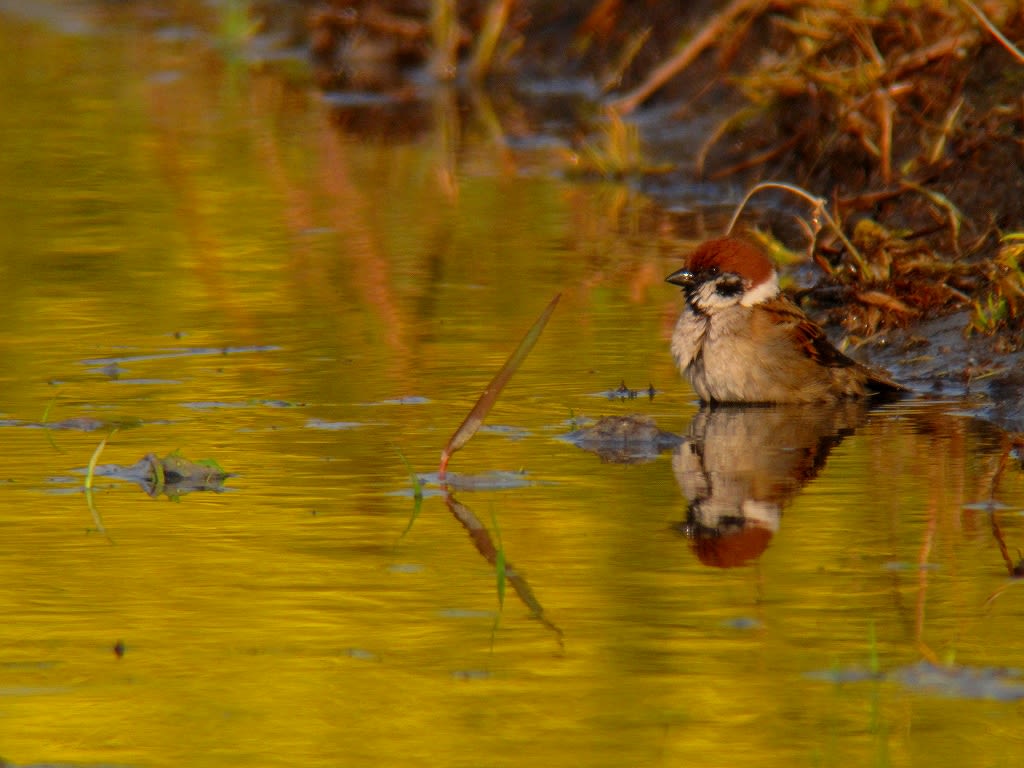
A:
(906, 117)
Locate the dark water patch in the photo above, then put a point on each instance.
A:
(178, 33)
(405, 568)
(743, 623)
(76, 482)
(622, 392)
(901, 565)
(176, 353)
(845, 675)
(962, 682)
(410, 400)
(150, 382)
(425, 491)
(496, 480)
(82, 424)
(29, 665)
(112, 371)
(210, 405)
(515, 433)
(585, 87)
(29, 690)
(64, 18)
(333, 426)
(958, 682)
(471, 674)
(361, 654)
(203, 405)
(464, 613)
(166, 77)
(347, 99)
(986, 506)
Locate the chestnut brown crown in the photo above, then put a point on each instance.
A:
(734, 255)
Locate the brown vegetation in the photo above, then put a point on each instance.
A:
(905, 117)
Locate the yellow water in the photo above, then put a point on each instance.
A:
(258, 275)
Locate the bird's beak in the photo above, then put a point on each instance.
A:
(681, 277)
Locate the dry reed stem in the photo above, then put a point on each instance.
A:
(992, 30)
(709, 35)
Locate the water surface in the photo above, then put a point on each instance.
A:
(199, 258)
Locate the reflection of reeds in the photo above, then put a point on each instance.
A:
(616, 151)
(487, 39)
(236, 26)
(444, 24)
(495, 555)
(499, 563)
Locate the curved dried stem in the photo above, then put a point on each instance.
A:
(819, 213)
(992, 30)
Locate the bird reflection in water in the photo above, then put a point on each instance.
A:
(740, 465)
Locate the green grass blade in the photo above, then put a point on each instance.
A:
(873, 663)
(90, 472)
(417, 484)
(417, 492)
(417, 505)
(490, 395)
(49, 432)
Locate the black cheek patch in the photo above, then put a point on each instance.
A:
(729, 288)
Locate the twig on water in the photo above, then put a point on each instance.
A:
(486, 402)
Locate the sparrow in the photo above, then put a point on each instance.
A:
(740, 340)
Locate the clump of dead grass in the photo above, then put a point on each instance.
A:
(906, 116)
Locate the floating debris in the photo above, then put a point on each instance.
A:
(994, 683)
(624, 439)
(332, 426)
(957, 681)
(173, 476)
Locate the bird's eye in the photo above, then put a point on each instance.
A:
(729, 286)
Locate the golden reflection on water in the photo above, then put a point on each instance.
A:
(300, 305)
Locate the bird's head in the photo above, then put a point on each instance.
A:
(724, 272)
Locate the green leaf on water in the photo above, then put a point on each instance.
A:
(90, 473)
(417, 484)
(417, 505)
(46, 415)
(417, 492)
(486, 402)
(873, 664)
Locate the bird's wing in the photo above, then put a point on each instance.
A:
(809, 336)
(815, 344)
